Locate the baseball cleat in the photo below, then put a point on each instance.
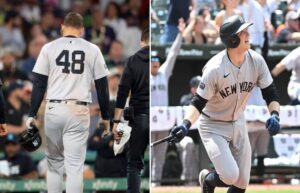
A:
(204, 187)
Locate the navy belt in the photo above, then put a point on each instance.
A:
(66, 102)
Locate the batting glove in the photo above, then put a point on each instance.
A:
(272, 124)
(29, 122)
(179, 132)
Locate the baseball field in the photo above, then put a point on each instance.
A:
(251, 189)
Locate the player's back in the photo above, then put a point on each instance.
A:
(71, 65)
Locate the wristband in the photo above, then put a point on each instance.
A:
(187, 123)
(275, 112)
(116, 121)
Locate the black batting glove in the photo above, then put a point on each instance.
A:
(180, 131)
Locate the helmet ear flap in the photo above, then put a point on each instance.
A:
(230, 41)
(235, 41)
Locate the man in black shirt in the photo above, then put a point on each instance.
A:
(16, 108)
(135, 79)
(20, 164)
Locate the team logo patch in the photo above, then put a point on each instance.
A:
(202, 85)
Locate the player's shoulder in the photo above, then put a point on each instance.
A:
(216, 61)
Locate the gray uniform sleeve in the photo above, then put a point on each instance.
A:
(264, 77)
(42, 64)
(99, 69)
(290, 60)
(207, 86)
(168, 65)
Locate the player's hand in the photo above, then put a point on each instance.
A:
(178, 133)
(273, 125)
(3, 130)
(116, 133)
(29, 122)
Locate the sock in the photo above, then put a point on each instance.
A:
(260, 165)
(233, 189)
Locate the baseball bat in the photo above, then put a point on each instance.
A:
(161, 140)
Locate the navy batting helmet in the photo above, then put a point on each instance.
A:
(30, 139)
(230, 28)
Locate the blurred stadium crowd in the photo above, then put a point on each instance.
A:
(273, 20)
(197, 22)
(25, 26)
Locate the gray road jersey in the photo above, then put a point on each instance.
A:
(227, 87)
(71, 65)
(292, 62)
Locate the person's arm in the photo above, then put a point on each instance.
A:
(168, 65)
(279, 68)
(294, 36)
(31, 175)
(40, 74)
(38, 91)
(123, 92)
(15, 129)
(193, 112)
(271, 96)
(187, 33)
(103, 99)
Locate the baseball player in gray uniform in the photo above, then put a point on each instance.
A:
(66, 68)
(226, 83)
(291, 62)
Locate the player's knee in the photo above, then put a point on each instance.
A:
(230, 176)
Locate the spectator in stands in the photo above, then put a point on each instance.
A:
(229, 9)
(16, 108)
(291, 32)
(35, 30)
(9, 71)
(177, 10)
(187, 98)
(115, 55)
(253, 12)
(159, 80)
(194, 32)
(31, 11)
(210, 30)
(48, 25)
(200, 4)
(113, 20)
(11, 33)
(258, 134)
(131, 12)
(21, 165)
(291, 62)
(34, 49)
(100, 34)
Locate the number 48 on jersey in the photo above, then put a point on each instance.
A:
(77, 62)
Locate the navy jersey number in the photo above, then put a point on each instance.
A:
(77, 65)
